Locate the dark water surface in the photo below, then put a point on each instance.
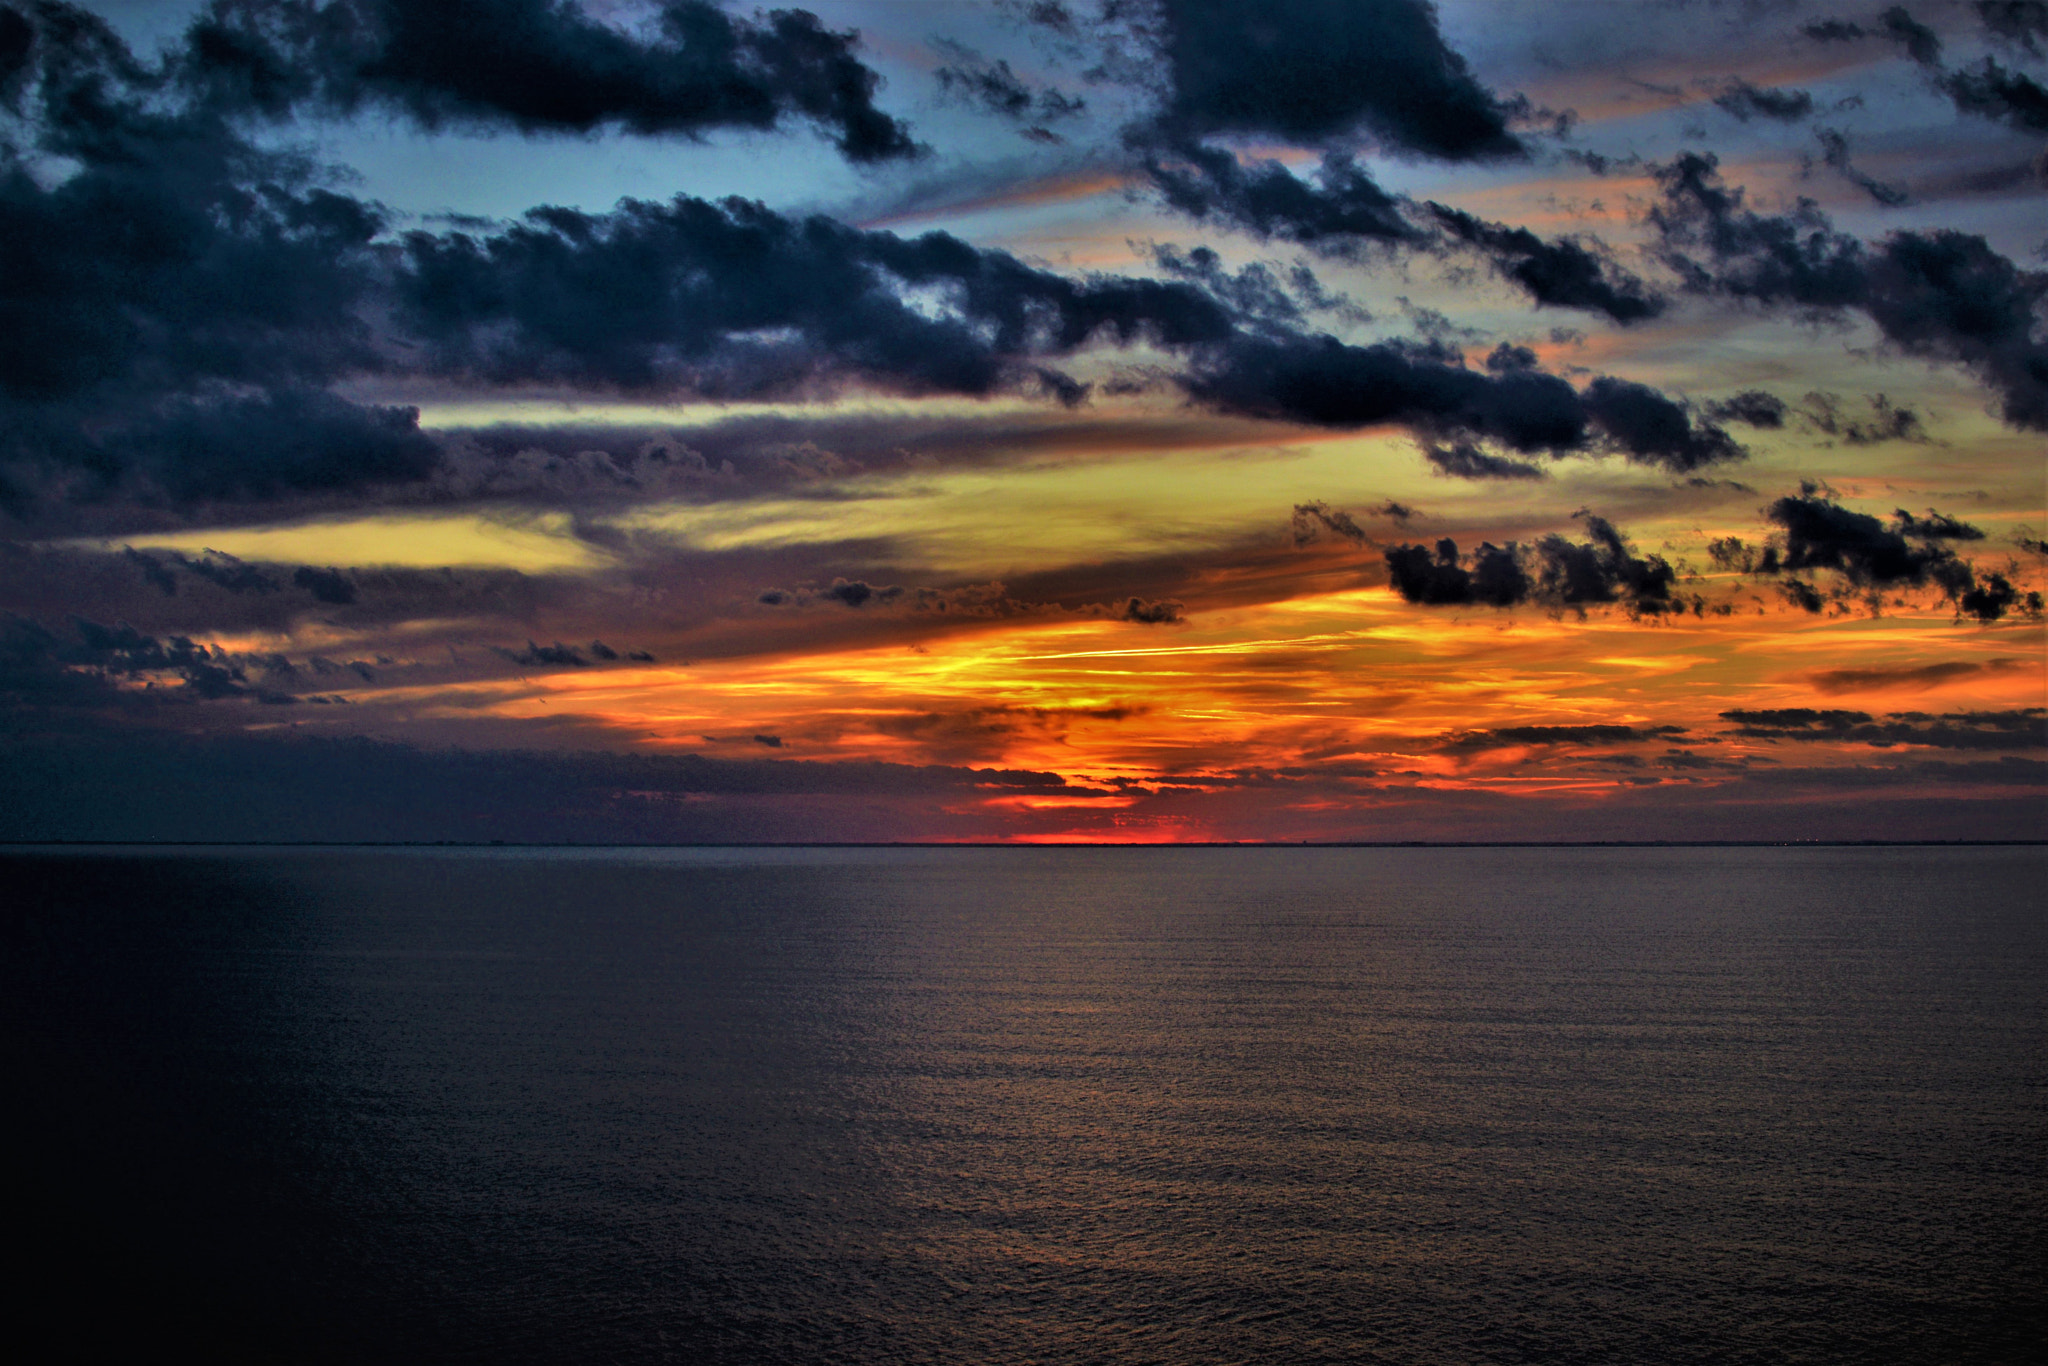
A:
(1060, 1105)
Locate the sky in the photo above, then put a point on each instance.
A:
(1023, 421)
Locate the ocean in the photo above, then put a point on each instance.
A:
(1109, 1105)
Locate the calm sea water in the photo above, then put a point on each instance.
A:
(1053, 1105)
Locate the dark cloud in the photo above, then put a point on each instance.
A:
(326, 585)
(1493, 576)
(1992, 597)
(1464, 460)
(1907, 677)
(1887, 421)
(1322, 70)
(855, 593)
(1324, 382)
(1254, 292)
(1340, 211)
(1343, 211)
(1147, 613)
(557, 654)
(1730, 552)
(1048, 14)
(17, 40)
(1554, 572)
(1565, 273)
(1652, 430)
(1835, 152)
(680, 296)
(1935, 526)
(1049, 595)
(1822, 534)
(1802, 595)
(1745, 101)
(154, 570)
(1752, 407)
(1988, 90)
(541, 66)
(1398, 513)
(102, 666)
(2022, 23)
(1922, 43)
(1939, 294)
(1790, 258)
(1312, 519)
(234, 575)
(191, 298)
(1947, 294)
(1994, 92)
(286, 441)
(2024, 728)
(1506, 737)
(993, 86)
(1833, 31)
(219, 597)
(1603, 569)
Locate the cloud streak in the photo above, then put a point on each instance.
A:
(540, 66)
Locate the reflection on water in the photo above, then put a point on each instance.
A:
(1036, 1105)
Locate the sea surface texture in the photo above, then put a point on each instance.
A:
(1030, 1105)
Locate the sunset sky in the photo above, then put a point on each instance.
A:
(1138, 421)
